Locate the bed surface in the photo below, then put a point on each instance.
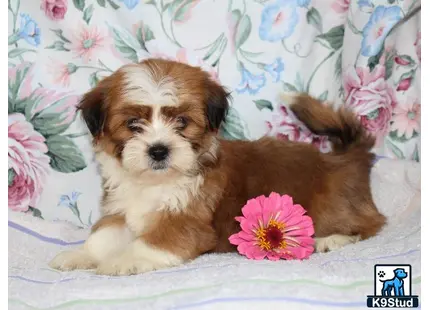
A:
(341, 279)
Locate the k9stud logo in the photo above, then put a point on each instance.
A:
(392, 287)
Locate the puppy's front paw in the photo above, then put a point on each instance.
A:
(71, 260)
(333, 242)
(124, 265)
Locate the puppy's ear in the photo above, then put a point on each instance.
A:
(217, 103)
(93, 111)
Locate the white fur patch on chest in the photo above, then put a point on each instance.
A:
(135, 197)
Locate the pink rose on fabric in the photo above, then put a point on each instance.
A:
(407, 118)
(368, 94)
(274, 227)
(341, 6)
(54, 9)
(284, 126)
(27, 162)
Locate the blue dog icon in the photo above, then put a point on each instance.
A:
(395, 283)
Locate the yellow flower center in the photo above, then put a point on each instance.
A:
(271, 237)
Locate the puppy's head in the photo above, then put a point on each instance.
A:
(156, 116)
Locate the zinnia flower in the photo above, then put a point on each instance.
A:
(275, 228)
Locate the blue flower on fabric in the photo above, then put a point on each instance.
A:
(382, 20)
(130, 4)
(364, 3)
(69, 201)
(278, 20)
(275, 69)
(29, 30)
(251, 83)
(303, 3)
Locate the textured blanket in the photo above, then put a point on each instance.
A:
(341, 279)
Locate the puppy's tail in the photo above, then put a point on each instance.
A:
(341, 126)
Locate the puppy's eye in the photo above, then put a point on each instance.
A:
(133, 125)
(182, 121)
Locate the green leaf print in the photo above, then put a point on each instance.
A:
(338, 67)
(14, 86)
(59, 33)
(58, 46)
(394, 135)
(416, 154)
(35, 212)
(102, 3)
(10, 176)
(65, 155)
(125, 43)
(88, 13)
(395, 149)
(79, 4)
(243, 31)
(18, 52)
(181, 11)
(334, 37)
(113, 4)
(289, 87)
(389, 65)
(313, 17)
(374, 60)
(263, 104)
(323, 96)
(93, 79)
(234, 128)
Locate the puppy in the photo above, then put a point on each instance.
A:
(172, 188)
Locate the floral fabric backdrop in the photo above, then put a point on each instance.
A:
(353, 52)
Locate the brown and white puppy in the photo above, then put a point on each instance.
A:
(172, 188)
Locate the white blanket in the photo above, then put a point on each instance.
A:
(341, 279)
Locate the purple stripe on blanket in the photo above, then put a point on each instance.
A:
(42, 282)
(30, 232)
(377, 158)
(273, 299)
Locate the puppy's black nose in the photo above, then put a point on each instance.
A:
(158, 152)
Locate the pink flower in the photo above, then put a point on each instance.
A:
(369, 95)
(275, 228)
(417, 45)
(404, 84)
(407, 119)
(54, 9)
(61, 72)
(341, 6)
(284, 126)
(27, 162)
(88, 41)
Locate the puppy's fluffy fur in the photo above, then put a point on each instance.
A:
(172, 188)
